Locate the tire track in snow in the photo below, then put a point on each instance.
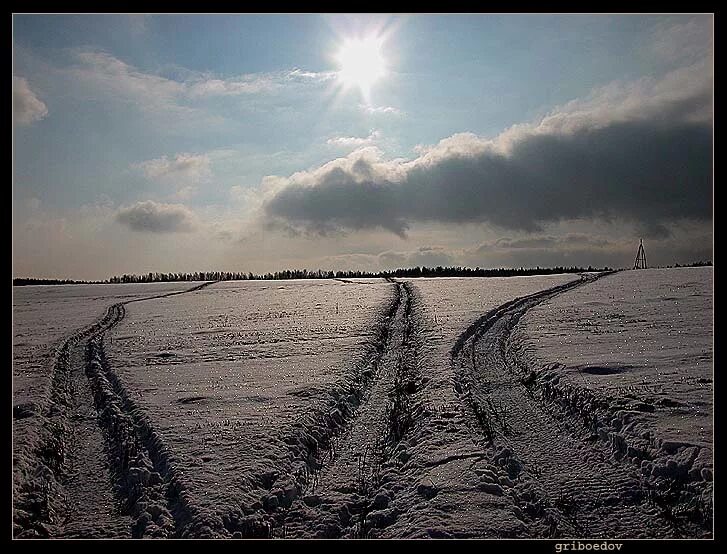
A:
(562, 485)
(344, 492)
(274, 500)
(69, 482)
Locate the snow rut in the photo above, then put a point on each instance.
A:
(345, 492)
(100, 470)
(562, 483)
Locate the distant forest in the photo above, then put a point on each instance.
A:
(439, 271)
(20, 282)
(324, 274)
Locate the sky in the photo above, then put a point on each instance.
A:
(367, 142)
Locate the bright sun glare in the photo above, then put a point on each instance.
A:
(361, 63)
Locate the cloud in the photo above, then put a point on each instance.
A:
(27, 108)
(224, 231)
(153, 91)
(299, 75)
(424, 256)
(430, 256)
(392, 260)
(639, 151)
(153, 217)
(184, 168)
(185, 193)
(547, 242)
(48, 227)
(390, 110)
(125, 81)
(252, 84)
(691, 242)
(354, 142)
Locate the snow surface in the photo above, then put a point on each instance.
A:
(642, 341)
(349, 408)
(224, 373)
(438, 482)
(447, 306)
(45, 321)
(43, 315)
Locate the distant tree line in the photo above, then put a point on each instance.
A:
(693, 264)
(19, 282)
(438, 271)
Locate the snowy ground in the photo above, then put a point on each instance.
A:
(227, 373)
(452, 407)
(48, 322)
(446, 307)
(635, 348)
(645, 335)
(45, 315)
(442, 459)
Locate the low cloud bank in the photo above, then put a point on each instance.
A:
(640, 152)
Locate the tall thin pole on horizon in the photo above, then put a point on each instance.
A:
(640, 262)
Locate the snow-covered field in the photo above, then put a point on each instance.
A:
(442, 456)
(544, 406)
(47, 321)
(227, 373)
(44, 315)
(448, 306)
(641, 343)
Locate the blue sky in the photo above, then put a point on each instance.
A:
(183, 142)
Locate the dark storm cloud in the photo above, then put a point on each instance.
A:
(340, 201)
(154, 217)
(643, 155)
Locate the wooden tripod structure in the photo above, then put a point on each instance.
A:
(640, 262)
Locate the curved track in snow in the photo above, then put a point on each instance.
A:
(99, 467)
(565, 481)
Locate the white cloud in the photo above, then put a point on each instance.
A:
(390, 110)
(220, 87)
(183, 169)
(683, 95)
(309, 76)
(27, 107)
(354, 142)
(154, 91)
(125, 82)
(244, 195)
(185, 193)
(424, 256)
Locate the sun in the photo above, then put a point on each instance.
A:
(361, 63)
